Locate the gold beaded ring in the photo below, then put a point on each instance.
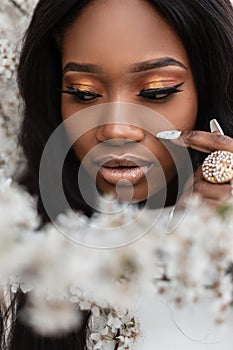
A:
(218, 167)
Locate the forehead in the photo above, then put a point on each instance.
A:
(120, 32)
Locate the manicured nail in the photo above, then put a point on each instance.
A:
(214, 126)
(168, 135)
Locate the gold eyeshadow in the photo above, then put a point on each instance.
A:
(155, 85)
(81, 84)
(83, 87)
(159, 84)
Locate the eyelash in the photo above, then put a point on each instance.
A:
(81, 94)
(160, 93)
(150, 94)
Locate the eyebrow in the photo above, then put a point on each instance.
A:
(78, 67)
(135, 68)
(158, 63)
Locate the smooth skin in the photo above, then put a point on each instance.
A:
(115, 50)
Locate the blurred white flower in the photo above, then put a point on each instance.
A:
(18, 219)
(50, 317)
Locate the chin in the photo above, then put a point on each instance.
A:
(130, 193)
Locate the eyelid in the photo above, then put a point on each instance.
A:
(163, 89)
(81, 87)
(156, 84)
(82, 96)
(160, 93)
(71, 90)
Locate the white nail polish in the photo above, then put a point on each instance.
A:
(168, 135)
(214, 126)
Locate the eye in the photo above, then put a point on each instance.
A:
(160, 93)
(81, 95)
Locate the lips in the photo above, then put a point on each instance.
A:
(124, 170)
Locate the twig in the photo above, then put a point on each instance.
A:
(19, 7)
(117, 344)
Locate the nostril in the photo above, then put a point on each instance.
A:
(119, 141)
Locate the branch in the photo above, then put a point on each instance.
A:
(13, 2)
(117, 344)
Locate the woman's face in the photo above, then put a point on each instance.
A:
(116, 51)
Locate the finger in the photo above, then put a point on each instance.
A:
(212, 191)
(212, 202)
(196, 184)
(204, 141)
(208, 189)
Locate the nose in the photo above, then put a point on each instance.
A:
(116, 129)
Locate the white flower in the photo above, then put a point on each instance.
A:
(114, 322)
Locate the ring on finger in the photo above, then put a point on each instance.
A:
(217, 167)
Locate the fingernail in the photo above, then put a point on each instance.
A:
(214, 126)
(168, 135)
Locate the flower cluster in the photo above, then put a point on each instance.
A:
(63, 276)
(14, 18)
(196, 259)
(111, 326)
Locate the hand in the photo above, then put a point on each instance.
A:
(213, 194)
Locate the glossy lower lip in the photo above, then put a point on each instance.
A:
(126, 175)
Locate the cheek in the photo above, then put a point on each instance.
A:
(65, 108)
(84, 145)
(69, 106)
(186, 112)
(85, 142)
(182, 110)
